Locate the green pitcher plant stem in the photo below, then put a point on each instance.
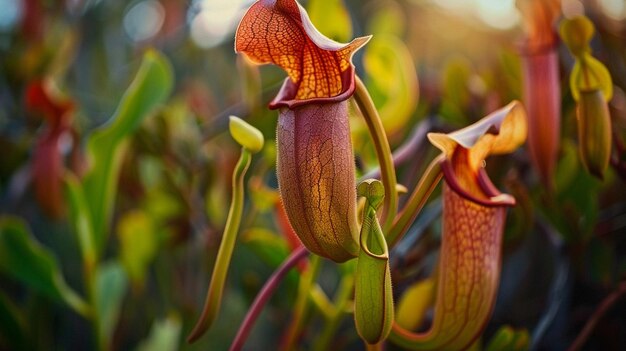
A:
(416, 202)
(301, 305)
(383, 152)
(251, 141)
(321, 301)
(216, 288)
(343, 298)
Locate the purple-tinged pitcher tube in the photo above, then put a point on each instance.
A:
(315, 169)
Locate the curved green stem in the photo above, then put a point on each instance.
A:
(383, 152)
(416, 202)
(302, 302)
(83, 227)
(344, 293)
(320, 300)
(216, 288)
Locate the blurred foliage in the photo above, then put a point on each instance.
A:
(146, 191)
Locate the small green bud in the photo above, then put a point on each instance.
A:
(373, 190)
(245, 134)
(576, 33)
(594, 131)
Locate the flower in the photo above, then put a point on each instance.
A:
(474, 214)
(315, 164)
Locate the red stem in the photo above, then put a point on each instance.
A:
(264, 295)
(606, 304)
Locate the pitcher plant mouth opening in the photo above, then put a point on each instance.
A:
(482, 191)
(287, 95)
(320, 70)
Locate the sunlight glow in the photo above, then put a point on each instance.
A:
(615, 9)
(498, 14)
(572, 8)
(11, 13)
(212, 21)
(144, 20)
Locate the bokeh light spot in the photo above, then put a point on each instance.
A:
(615, 9)
(11, 13)
(144, 20)
(499, 14)
(213, 20)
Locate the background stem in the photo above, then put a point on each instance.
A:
(345, 292)
(266, 292)
(416, 202)
(302, 303)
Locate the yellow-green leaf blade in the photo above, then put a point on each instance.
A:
(106, 146)
(25, 260)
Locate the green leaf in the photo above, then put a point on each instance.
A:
(575, 191)
(502, 340)
(25, 260)
(393, 79)
(139, 244)
(567, 168)
(263, 197)
(80, 217)
(270, 247)
(12, 336)
(331, 18)
(521, 341)
(107, 145)
(456, 95)
(388, 19)
(164, 335)
(508, 339)
(111, 285)
(414, 304)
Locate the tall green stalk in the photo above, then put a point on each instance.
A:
(383, 152)
(416, 202)
(216, 288)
